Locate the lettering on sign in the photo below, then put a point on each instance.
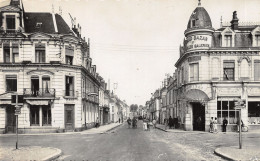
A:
(198, 42)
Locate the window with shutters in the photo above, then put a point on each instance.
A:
(194, 72)
(11, 83)
(229, 70)
(69, 54)
(40, 53)
(257, 70)
(15, 53)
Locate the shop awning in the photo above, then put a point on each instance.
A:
(38, 102)
(196, 95)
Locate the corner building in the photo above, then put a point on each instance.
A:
(47, 63)
(216, 67)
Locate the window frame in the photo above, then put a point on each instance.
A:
(192, 72)
(228, 68)
(11, 77)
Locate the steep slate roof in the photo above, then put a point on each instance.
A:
(47, 26)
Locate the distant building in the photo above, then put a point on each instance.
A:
(216, 68)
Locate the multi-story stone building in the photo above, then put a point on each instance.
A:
(216, 68)
(49, 65)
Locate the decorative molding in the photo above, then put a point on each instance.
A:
(41, 71)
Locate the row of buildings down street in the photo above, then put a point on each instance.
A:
(48, 65)
(215, 69)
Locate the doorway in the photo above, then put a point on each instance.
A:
(35, 85)
(10, 119)
(198, 116)
(69, 117)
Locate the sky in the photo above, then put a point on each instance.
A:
(135, 43)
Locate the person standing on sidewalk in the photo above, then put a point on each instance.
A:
(154, 123)
(129, 122)
(225, 122)
(165, 123)
(211, 129)
(215, 125)
(97, 123)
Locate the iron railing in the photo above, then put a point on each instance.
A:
(42, 92)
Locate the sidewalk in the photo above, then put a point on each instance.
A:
(234, 153)
(101, 129)
(162, 127)
(29, 153)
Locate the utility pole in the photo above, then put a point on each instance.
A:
(17, 112)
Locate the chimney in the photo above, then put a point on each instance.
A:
(234, 22)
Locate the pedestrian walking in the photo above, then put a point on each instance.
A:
(119, 120)
(225, 122)
(170, 122)
(211, 129)
(97, 123)
(129, 122)
(215, 125)
(242, 124)
(154, 123)
(145, 125)
(166, 122)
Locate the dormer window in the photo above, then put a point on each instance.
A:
(10, 22)
(227, 40)
(192, 22)
(257, 40)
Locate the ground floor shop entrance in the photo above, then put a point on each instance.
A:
(198, 116)
(69, 117)
(10, 119)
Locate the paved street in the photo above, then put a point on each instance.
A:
(133, 144)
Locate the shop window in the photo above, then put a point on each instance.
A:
(226, 109)
(69, 88)
(254, 112)
(46, 115)
(40, 53)
(194, 72)
(227, 40)
(10, 22)
(11, 83)
(34, 115)
(229, 71)
(257, 70)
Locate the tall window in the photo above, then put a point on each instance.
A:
(45, 84)
(194, 72)
(257, 70)
(10, 22)
(69, 54)
(69, 86)
(39, 53)
(226, 109)
(46, 115)
(182, 75)
(227, 40)
(192, 23)
(11, 83)
(229, 71)
(7, 56)
(15, 51)
(34, 115)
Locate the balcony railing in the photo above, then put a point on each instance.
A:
(42, 92)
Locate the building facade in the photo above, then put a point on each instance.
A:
(216, 68)
(47, 64)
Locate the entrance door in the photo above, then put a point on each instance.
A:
(69, 117)
(198, 116)
(11, 119)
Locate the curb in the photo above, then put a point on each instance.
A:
(217, 152)
(113, 128)
(161, 129)
(53, 156)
